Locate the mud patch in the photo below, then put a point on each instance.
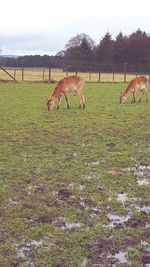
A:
(64, 194)
(117, 221)
(146, 253)
(111, 146)
(135, 222)
(104, 252)
(23, 251)
(45, 219)
(109, 252)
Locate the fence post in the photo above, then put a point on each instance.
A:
(49, 70)
(15, 74)
(43, 74)
(113, 76)
(125, 71)
(113, 73)
(49, 74)
(99, 76)
(23, 69)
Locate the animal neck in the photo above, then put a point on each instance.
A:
(126, 91)
(56, 93)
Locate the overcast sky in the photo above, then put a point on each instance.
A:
(44, 27)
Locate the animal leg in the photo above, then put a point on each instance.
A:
(142, 94)
(82, 99)
(133, 99)
(66, 97)
(59, 99)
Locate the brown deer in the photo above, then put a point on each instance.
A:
(63, 87)
(139, 83)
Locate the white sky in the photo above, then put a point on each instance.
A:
(44, 27)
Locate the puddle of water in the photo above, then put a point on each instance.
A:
(95, 212)
(84, 262)
(35, 243)
(82, 203)
(91, 177)
(146, 209)
(23, 251)
(122, 197)
(84, 145)
(136, 199)
(27, 247)
(145, 245)
(142, 182)
(143, 167)
(93, 163)
(80, 186)
(139, 169)
(147, 225)
(121, 257)
(71, 225)
(116, 219)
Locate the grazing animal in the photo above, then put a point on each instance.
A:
(139, 83)
(63, 87)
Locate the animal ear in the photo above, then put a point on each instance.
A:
(121, 93)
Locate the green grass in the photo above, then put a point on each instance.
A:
(69, 166)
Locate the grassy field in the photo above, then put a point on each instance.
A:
(74, 186)
(42, 74)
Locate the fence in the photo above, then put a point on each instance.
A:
(53, 74)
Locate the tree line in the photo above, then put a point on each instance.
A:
(82, 54)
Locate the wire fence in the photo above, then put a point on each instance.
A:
(55, 74)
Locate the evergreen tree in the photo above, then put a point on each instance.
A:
(120, 50)
(139, 49)
(104, 52)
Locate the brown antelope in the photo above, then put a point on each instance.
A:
(63, 87)
(139, 83)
